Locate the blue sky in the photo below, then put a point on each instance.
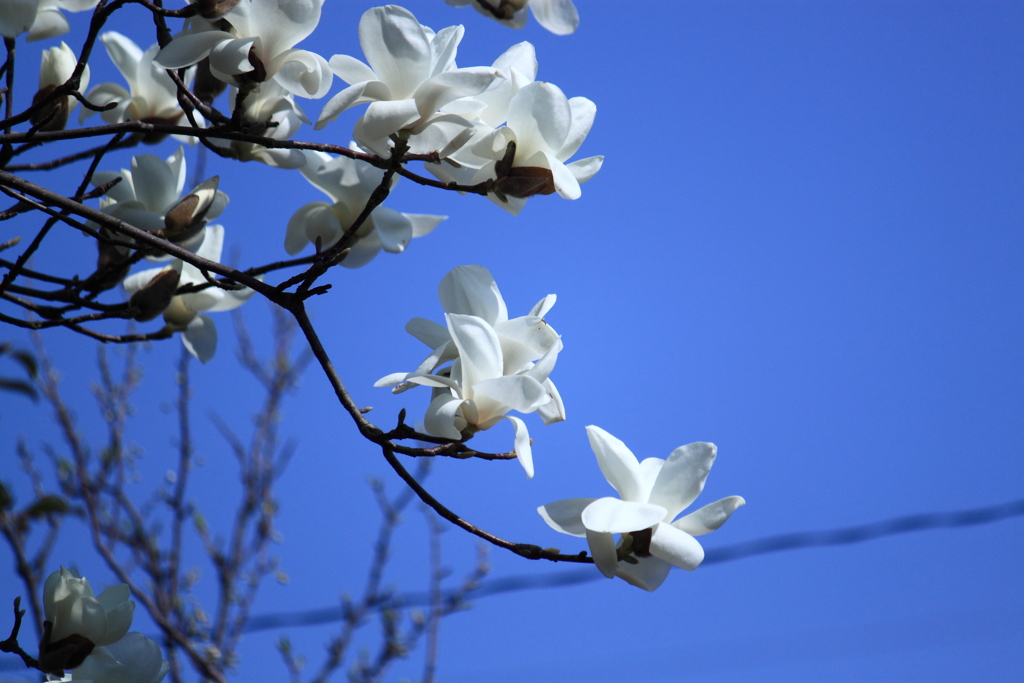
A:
(805, 245)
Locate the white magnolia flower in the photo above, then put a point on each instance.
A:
(410, 77)
(151, 189)
(132, 659)
(471, 290)
(183, 314)
(72, 608)
(499, 364)
(527, 155)
(151, 95)
(268, 104)
(57, 66)
(653, 493)
(558, 16)
(41, 18)
(349, 184)
(259, 48)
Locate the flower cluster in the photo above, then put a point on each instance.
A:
(88, 634)
(500, 364)
(497, 364)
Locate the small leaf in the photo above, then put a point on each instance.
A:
(18, 386)
(47, 505)
(6, 501)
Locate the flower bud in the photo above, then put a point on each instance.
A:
(58, 65)
(186, 218)
(112, 265)
(151, 300)
(72, 609)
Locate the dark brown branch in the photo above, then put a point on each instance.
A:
(11, 644)
(71, 158)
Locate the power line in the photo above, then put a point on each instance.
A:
(729, 553)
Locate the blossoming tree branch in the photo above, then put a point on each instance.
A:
(228, 75)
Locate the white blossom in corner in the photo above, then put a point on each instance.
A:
(558, 16)
(258, 48)
(56, 67)
(349, 184)
(410, 78)
(651, 494)
(72, 609)
(41, 18)
(184, 312)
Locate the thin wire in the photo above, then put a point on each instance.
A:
(729, 553)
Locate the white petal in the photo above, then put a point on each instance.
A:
(381, 119)
(682, 478)
(443, 48)
(649, 469)
(440, 418)
(565, 516)
(676, 547)
(393, 229)
(554, 410)
(541, 117)
(351, 70)
(154, 182)
(423, 224)
(200, 338)
(360, 93)
(125, 54)
(303, 73)
(518, 392)
(451, 85)
(543, 306)
(710, 517)
(565, 182)
(309, 222)
(558, 16)
(396, 47)
(427, 331)
(583, 112)
(49, 23)
(648, 573)
(280, 24)
(602, 548)
(188, 48)
(232, 56)
(17, 17)
(614, 516)
(470, 290)
(213, 244)
(618, 464)
(479, 348)
(524, 452)
(585, 169)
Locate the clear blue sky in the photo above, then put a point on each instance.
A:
(805, 245)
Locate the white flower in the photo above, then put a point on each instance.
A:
(653, 493)
(558, 16)
(41, 18)
(268, 104)
(198, 332)
(411, 76)
(259, 48)
(132, 659)
(499, 364)
(150, 191)
(57, 66)
(152, 95)
(349, 184)
(543, 130)
(471, 290)
(72, 608)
